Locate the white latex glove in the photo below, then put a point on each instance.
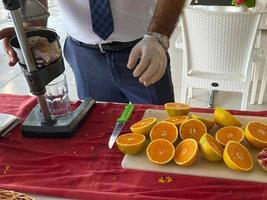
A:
(153, 60)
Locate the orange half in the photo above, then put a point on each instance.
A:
(223, 118)
(144, 126)
(177, 109)
(210, 148)
(256, 134)
(229, 133)
(131, 143)
(160, 151)
(164, 130)
(177, 120)
(237, 157)
(186, 153)
(192, 128)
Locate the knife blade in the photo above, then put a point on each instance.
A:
(120, 122)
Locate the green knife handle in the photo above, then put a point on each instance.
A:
(125, 115)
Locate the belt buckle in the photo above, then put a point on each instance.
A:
(101, 48)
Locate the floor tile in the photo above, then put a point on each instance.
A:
(7, 73)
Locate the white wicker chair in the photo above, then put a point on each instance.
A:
(259, 64)
(262, 5)
(218, 50)
(264, 75)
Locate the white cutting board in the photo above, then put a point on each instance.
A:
(202, 167)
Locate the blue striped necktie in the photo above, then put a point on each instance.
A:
(101, 16)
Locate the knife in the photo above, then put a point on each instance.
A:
(125, 115)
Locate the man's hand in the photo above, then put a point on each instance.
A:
(5, 35)
(153, 61)
(152, 55)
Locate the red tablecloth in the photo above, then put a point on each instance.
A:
(84, 168)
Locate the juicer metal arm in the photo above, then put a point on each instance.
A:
(13, 6)
(37, 78)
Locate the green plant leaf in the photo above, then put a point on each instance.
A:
(234, 2)
(250, 3)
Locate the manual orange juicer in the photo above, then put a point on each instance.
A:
(40, 123)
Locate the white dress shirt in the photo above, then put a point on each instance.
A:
(131, 19)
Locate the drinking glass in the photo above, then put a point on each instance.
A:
(57, 96)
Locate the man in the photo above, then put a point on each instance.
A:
(117, 49)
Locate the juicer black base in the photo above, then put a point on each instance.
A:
(61, 127)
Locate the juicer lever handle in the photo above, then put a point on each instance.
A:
(11, 4)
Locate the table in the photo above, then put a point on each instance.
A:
(84, 168)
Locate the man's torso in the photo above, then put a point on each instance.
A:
(131, 19)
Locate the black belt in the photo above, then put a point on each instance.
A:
(108, 47)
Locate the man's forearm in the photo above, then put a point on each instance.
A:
(166, 16)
